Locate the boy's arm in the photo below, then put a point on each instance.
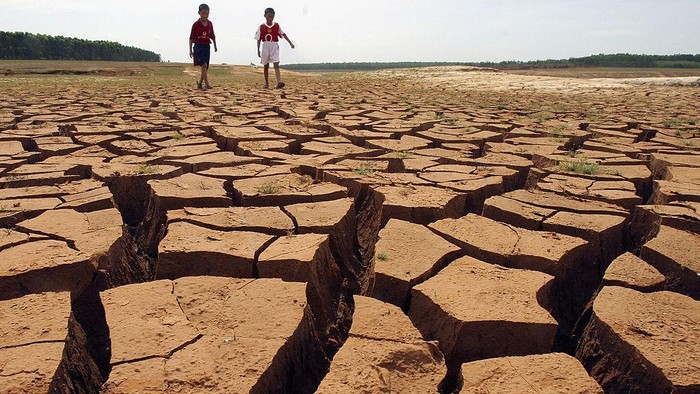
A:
(213, 37)
(284, 35)
(259, 48)
(192, 37)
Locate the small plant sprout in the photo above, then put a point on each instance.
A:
(147, 169)
(581, 166)
(363, 170)
(403, 154)
(672, 122)
(383, 256)
(268, 189)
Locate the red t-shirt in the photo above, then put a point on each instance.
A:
(270, 33)
(201, 34)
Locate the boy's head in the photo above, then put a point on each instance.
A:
(269, 15)
(203, 11)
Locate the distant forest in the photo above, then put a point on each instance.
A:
(28, 46)
(616, 60)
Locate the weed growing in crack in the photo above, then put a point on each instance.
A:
(147, 169)
(541, 116)
(268, 189)
(581, 166)
(402, 154)
(383, 256)
(363, 170)
(672, 122)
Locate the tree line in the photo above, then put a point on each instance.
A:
(28, 46)
(613, 60)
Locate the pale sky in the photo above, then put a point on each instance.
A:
(378, 30)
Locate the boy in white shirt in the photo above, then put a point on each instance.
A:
(269, 33)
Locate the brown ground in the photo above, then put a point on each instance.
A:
(397, 231)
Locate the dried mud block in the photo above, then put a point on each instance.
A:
(319, 217)
(665, 192)
(478, 310)
(42, 348)
(647, 220)
(43, 175)
(407, 254)
(253, 148)
(346, 150)
(421, 204)
(290, 257)
(214, 160)
(510, 246)
(676, 254)
(93, 233)
(545, 373)
(190, 190)
(10, 238)
(604, 231)
(661, 163)
(479, 189)
(14, 211)
(565, 203)
(284, 190)
(632, 272)
(242, 171)
(204, 334)
(190, 250)
(44, 265)
(92, 200)
(384, 353)
(129, 185)
(622, 193)
(643, 343)
(406, 143)
(517, 213)
(269, 220)
(683, 174)
(228, 138)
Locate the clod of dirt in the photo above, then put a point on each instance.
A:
(642, 342)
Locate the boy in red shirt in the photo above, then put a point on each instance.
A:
(269, 33)
(201, 35)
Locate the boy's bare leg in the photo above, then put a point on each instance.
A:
(280, 84)
(277, 73)
(205, 76)
(266, 71)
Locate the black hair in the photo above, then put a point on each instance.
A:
(203, 7)
(269, 11)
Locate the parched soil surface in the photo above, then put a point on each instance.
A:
(405, 231)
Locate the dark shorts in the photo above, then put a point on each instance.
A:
(202, 54)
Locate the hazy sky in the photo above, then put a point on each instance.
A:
(379, 30)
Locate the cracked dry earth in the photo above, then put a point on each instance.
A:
(406, 232)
